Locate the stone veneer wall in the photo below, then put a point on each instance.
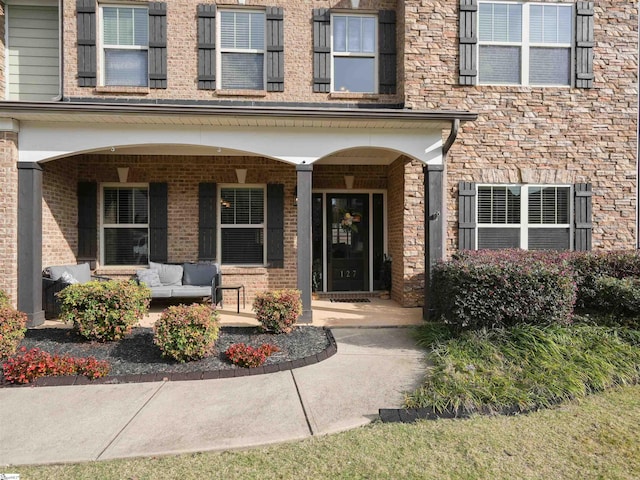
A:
(9, 215)
(532, 134)
(182, 56)
(3, 51)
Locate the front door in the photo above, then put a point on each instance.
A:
(347, 242)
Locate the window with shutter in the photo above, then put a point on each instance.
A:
(354, 53)
(125, 225)
(125, 46)
(241, 53)
(242, 225)
(525, 43)
(534, 217)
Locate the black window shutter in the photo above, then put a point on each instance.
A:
(158, 223)
(468, 38)
(86, 19)
(207, 47)
(582, 216)
(387, 51)
(585, 41)
(207, 221)
(466, 216)
(321, 50)
(275, 49)
(87, 221)
(275, 225)
(157, 45)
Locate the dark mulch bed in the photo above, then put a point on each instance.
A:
(137, 354)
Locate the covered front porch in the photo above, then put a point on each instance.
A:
(382, 171)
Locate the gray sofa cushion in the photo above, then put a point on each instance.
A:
(161, 292)
(149, 277)
(190, 291)
(170, 275)
(82, 272)
(199, 274)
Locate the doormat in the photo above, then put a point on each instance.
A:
(350, 300)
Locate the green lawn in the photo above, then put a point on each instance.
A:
(595, 438)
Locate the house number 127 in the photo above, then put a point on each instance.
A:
(348, 273)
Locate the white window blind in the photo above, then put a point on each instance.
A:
(125, 40)
(525, 43)
(242, 231)
(242, 47)
(125, 225)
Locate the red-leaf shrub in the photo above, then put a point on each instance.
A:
(248, 356)
(187, 332)
(278, 310)
(501, 288)
(104, 311)
(35, 363)
(12, 329)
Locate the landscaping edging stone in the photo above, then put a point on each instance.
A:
(410, 415)
(231, 372)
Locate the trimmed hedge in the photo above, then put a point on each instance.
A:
(502, 288)
(187, 332)
(278, 310)
(104, 311)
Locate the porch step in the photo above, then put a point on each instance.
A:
(351, 296)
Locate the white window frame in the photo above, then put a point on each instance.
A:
(524, 226)
(374, 55)
(220, 50)
(101, 46)
(220, 226)
(104, 225)
(525, 45)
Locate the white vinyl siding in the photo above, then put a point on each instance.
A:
(33, 53)
(525, 43)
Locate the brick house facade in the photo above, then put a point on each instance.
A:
(345, 132)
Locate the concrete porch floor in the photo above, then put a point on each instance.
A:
(376, 313)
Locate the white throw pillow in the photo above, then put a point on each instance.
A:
(66, 277)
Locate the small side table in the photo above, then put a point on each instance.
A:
(237, 288)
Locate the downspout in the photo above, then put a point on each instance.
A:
(453, 134)
(60, 52)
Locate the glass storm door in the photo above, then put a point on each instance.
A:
(347, 230)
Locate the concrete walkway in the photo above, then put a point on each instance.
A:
(372, 369)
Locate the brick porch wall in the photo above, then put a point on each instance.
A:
(530, 134)
(9, 215)
(59, 212)
(182, 175)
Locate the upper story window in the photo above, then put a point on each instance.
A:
(533, 217)
(242, 50)
(125, 45)
(242, 225)
(125, 225)
(354, 53)
(525, 43)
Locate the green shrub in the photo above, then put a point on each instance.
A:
(187, 332)
(503, 288)
(278, 310)
(104, 311)
(4, 299)
(526, 366)
(589, 267)
(12, 329)
(619, 297)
